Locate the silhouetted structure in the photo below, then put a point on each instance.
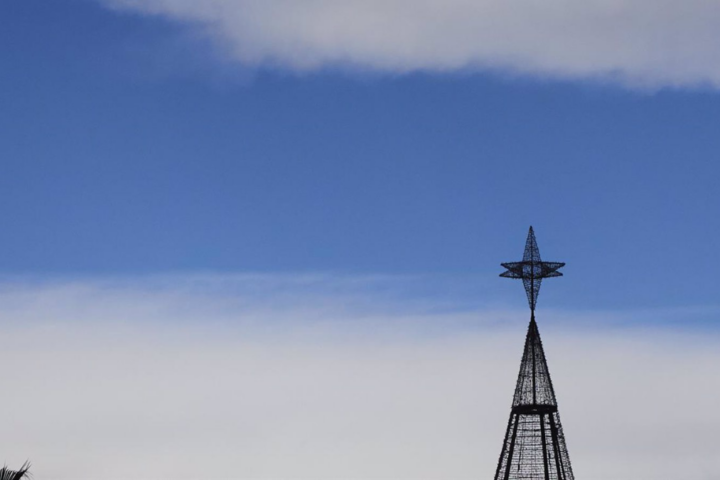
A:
(7, 474)
(534, 446)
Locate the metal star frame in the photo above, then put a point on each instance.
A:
(532, 269)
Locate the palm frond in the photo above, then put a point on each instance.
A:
(7, 474)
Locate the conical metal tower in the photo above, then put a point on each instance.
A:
(534, 446)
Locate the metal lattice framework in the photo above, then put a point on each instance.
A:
(532, 269)
(534, 446)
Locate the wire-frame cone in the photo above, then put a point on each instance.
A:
(534, 446)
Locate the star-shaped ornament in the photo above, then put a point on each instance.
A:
(532, 269)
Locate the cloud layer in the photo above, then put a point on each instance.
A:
(637, 42)
(324, 378)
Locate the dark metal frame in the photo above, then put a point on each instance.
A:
(534, 446)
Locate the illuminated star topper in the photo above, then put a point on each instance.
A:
(532, 269)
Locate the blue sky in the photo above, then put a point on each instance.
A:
(310, 200)
(129, 147)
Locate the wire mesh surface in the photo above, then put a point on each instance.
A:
(534, 447)
(532, 269)
(534, 386)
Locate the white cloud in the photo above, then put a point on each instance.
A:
(638, 42)
(324, 377)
